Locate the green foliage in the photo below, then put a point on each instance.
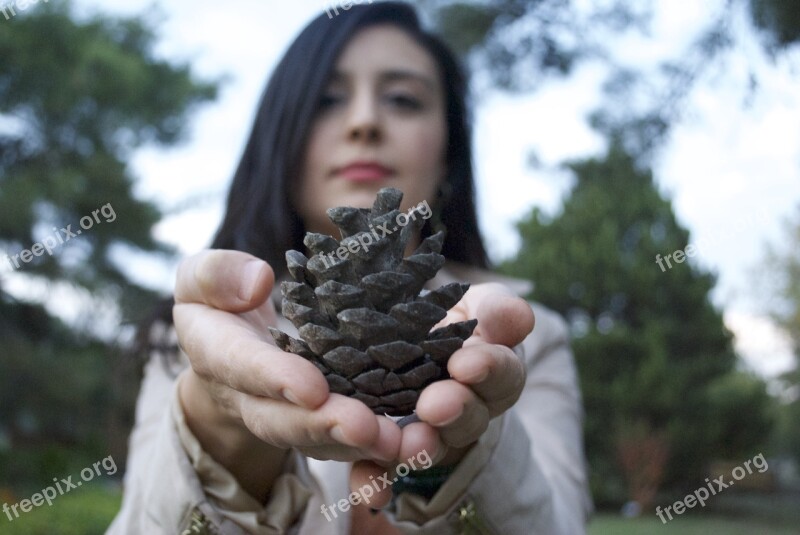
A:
(692, 522)
(743, 413)
(651, 349)
(520, 43)
(82, 99)
(779, 19)
(785, 275)
(785, 267)
(76, 98)
(464, 25)
(787, 429)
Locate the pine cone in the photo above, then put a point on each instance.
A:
(358, 308)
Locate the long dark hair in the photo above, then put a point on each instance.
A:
(259, 217)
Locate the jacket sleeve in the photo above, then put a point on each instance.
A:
(172, 486)
(527, 474)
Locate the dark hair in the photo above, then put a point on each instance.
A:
(260, 218)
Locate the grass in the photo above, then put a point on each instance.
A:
(89, 511)
(85, 511)
(608, 524)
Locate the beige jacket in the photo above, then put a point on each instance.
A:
(526, 475)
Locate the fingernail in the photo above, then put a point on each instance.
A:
(250, 275)
(337, 435)
(453, 419)
(478, 378)
(289, 396)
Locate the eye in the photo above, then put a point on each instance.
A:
(405, 101)
(330, 99)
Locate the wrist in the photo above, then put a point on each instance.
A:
(203, 412)
(224, 437)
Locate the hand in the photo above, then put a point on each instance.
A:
(487, 378)
(247, 401)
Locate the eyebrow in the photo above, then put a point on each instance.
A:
(398, 74)
(393, 75)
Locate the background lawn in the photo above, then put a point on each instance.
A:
(89, 511)
(85, 511)
(608, 524)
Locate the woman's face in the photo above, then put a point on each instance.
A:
(381, 123)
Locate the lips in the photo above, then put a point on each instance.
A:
(364, 172)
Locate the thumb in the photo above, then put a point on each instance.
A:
(503, 318)
(227, 280)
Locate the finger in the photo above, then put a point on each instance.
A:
(223, 348)
(387, 446)
(421, 449)
(227, 280)
(383, 451)
(494, 372)
(504, 319)
(338, 421)
(372, 482)
(421, 438)
(458, 414)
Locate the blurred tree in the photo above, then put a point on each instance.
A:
(76, 98)
(651, 349)
(780, 21)
(521, 43)
(784, 262)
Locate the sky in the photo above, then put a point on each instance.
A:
(730, 171)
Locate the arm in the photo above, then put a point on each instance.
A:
(214, 445)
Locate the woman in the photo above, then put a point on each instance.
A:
(248, 438)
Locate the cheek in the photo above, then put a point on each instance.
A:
(314, 159)
(311, 174)
(425, 149)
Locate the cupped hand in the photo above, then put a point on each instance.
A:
(246, 400)
(487, 378)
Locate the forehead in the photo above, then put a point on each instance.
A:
(385, 48)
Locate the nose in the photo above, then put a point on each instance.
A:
(364, 124)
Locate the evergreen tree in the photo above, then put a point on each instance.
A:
(77, 97)
(650, 347)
